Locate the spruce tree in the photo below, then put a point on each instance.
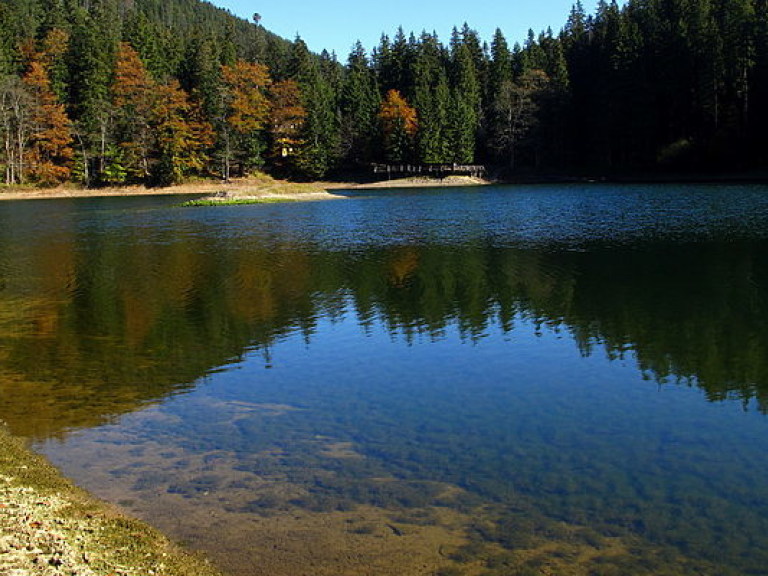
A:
(359, 103)
(91, 57)
(432, 102)
(464, 115)
(320, 150)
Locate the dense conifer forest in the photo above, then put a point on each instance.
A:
(109, 92)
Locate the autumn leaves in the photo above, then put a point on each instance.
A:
(152, 131)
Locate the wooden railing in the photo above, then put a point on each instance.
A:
(437, 170)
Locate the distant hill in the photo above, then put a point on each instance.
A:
(168, 24)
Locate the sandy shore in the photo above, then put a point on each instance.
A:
(48, 527)
(426, 182)
(258, 187)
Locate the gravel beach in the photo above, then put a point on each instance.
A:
(49, 527)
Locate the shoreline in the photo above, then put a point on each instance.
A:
(48, 526)
(254, 188)
(263, 188)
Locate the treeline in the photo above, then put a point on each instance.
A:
(118, 91)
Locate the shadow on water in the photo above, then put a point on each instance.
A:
(424, 412)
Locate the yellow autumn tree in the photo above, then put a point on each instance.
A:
(399, 123)
(286, 120)
(134, 95)
(183, 136)
(246, 112)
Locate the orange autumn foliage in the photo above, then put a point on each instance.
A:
(395, 113)
(134, 96)
(287, 117)
(50, 150)
(246, 84)
(183, 136)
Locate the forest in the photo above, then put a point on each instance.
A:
(112, 92)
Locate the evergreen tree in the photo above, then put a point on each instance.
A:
(758, 93)
(359, 105)
(394, 63)
(7, 43)
(500, 67)
(320, 150)
(53, 54)
(500, 74)
(91, 57)
(464, 114)
(432, 102)
(146, 39)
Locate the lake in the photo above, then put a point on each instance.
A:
(523, 380)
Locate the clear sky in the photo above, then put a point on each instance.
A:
(337, 24)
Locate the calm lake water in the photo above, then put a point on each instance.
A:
(492, 381)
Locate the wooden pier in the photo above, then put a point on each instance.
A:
(435, 170)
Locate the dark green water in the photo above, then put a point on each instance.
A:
(533, 380)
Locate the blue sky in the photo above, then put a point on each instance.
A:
(337, 24)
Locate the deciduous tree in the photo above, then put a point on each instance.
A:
(286, 122)
(183, 136)
(15, 123)
(399, 126)
(246, 111)
(50, 145)
(516, 113)
(134, 95)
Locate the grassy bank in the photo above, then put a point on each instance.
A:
(50, 527)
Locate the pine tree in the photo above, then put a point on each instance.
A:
(464, 116)
(91, 58)
(147, 40)
(320, 150)
(7, 42)
(394, 63)
(499, 76)
(432, 101)
(758, 93)
(53, 54)
(359, 105)
(500, 67)
(200, 74)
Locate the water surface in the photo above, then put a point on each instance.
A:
(505, 380)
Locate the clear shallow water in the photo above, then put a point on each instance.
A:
(485, 381)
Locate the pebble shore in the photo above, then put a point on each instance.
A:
(49, 527)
